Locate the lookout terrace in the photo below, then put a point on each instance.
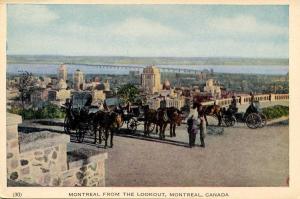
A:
(42, 159)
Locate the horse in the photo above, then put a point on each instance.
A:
(149, 117)
(213, 110)
(105, 122)
(172, 116)
(161, 118)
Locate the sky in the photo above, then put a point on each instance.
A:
(259, 31)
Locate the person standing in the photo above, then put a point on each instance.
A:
(252, 97)
(233, 106)
(202, 130)
(163, 103)
(192, 124)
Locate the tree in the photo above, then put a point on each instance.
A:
(128, 93)
(25, 86)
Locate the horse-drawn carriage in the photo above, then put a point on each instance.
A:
(83, 119)
(253, 117)
(135, 117)
(79, 115)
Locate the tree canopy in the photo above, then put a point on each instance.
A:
(128, 93)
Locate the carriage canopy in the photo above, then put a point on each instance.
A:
(80, 99)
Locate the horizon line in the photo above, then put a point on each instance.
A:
(236, 57)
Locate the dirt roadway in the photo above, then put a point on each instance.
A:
(239, 157)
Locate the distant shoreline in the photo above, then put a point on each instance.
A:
(53, 59)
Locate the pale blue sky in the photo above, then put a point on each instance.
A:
(149, 30)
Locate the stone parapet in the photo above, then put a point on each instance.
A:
(40, 140)
(41, 159)
(12, 121)
(12, 146)
(85, 168)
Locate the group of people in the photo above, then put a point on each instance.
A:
(196, 124)
(197, 120)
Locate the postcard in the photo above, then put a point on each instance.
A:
(149, 99)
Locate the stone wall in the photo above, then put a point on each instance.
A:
(12, 146)
(41, 158)
(85, 172)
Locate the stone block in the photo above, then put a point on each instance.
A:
(12, 121)
(14, 175)
(13, 164)
(68, 183)
(9, 155)
(24, 162)
(25, 171)
(56, 182)
(83, 156)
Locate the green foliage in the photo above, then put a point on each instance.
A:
(128, 93)
(49, 111)
(275, 111)
(25, 86)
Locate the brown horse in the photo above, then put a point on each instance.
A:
(105, 122)
(174, 119)
(150, 117)
(212, 110)
(161, 118)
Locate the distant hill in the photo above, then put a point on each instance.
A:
(52, 59)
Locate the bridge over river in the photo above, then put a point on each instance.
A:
(166, 68)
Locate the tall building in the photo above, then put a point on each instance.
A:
(150, 79)
(62, 72)
(78, 80)
(106, 85)
(213, 88)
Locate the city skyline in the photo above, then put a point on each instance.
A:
(149, 30)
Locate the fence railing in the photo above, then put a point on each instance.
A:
(243, 99)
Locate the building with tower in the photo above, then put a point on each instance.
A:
(213, 88)
(150, 79)
(62, 73)
(78, 80)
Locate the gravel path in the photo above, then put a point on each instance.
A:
(239, 157)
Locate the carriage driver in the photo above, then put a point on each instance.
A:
(252, 107)
(233, 105)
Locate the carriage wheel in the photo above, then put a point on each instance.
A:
(151, 127)
(79, 135)
(253, 120)
(229, 121)
(67, 128)
(263, 120)
(132, 124)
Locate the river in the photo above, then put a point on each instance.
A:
(45, 69)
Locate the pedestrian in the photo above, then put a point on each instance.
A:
(202, 130)
(192, 123)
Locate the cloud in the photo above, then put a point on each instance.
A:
(75, 45)
(141, 27)
(243, 35)
(31, 14)
(244, 24)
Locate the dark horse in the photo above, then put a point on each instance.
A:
(105, 122)
(149, 117)
(162, 117)
(212, 110)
